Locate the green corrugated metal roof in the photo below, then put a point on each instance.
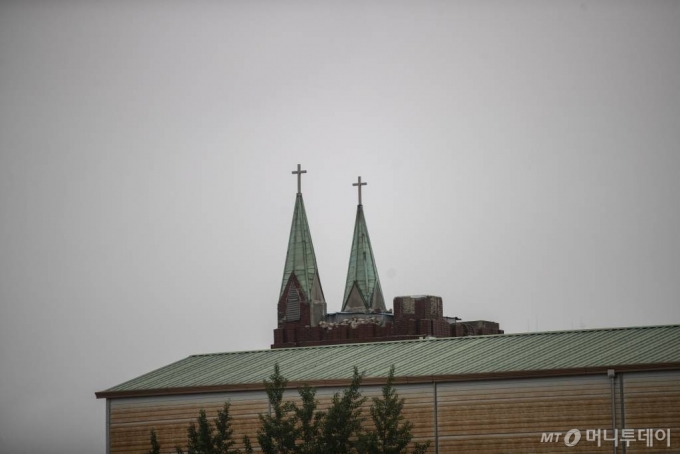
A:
(362, 269)
(300, 258)
(503, 353)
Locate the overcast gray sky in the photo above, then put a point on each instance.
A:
(522, 161)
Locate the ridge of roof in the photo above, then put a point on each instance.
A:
(439, 339)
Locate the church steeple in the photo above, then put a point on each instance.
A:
(300, 283)
(363, 292)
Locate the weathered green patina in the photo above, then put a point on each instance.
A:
(363, 284)
(475, 357)
(300, 258)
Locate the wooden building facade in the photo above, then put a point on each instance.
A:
(504, 393)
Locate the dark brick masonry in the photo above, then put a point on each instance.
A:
(414, 317)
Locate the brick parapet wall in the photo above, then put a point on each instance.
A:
(414, 317)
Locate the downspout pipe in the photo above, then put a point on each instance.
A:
(611, 373)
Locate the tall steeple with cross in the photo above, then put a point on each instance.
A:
(363, 292)
(301, 297)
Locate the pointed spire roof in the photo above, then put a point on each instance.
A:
(363, 292)
(300, 258)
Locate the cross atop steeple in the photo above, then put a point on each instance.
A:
(359, 184)
(299, 177)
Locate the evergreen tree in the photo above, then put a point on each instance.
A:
(248, 446)
(392, 433)
(155, 446)
(342, 424)
(223, 441)
(200, 437)
(200, 440)
(309, 420)
(294, 429)
(278, 432)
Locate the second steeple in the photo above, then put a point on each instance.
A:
(363, 292)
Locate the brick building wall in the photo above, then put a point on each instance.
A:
(414, 317)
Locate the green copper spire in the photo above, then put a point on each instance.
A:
(300, 258)
(363, 292)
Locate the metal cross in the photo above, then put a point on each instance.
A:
(359, 184)
(299, 175)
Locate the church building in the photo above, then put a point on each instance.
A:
(302, 309)
(469, 388)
